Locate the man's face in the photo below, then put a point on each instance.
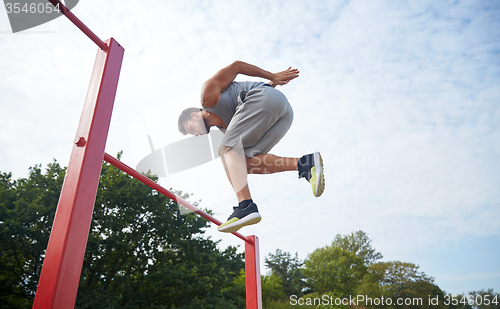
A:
(196, 125)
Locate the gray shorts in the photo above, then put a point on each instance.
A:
(260, 121)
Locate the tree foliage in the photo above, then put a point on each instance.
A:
(399, 280)
(26, 212)
(141, 252)
(288, 269)
(358, 243)
(334, 269)
(271, 290)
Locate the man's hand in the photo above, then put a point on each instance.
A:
(283, 77)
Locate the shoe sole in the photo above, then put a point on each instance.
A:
(252, 218)
(318, 164)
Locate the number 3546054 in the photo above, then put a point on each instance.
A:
(31, 8)
(471, 300)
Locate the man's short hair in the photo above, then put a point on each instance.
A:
(186, 115)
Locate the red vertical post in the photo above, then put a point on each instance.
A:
(252, 273)
(58, 284)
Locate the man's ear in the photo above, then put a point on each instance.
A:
(196, 115)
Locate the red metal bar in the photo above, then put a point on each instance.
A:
(252, 274)
(79, 24)
(58, 284)
(145, 180)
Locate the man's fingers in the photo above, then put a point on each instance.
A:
(283, 77)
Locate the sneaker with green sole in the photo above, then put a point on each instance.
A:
(240, 218)
(310, 167)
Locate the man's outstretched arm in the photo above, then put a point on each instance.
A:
(213, 88)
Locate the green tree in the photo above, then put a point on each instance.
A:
(360, 244)
(141, 252)
(332, 269)
(26, 213)
(402, 283)
(271, 290)
(288, 269)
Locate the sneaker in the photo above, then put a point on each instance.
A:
(310, 167)
(240, 218)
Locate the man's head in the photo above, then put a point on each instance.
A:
(191, 122)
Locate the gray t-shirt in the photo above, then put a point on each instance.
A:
(226, 107)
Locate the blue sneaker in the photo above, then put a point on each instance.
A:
(240, 218)
(310, 167)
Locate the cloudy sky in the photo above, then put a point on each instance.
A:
(401, 98)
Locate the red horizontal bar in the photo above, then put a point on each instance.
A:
(145, 180)
(79, 24)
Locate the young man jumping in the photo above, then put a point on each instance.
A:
(254, 117)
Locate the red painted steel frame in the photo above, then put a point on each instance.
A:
(58, 284)
(62, 266)
(79, 24)
(252, 274)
